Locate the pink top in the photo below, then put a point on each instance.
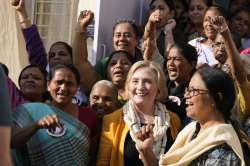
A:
(245, 51)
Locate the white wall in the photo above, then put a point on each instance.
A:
(12, 47)
(93, 6)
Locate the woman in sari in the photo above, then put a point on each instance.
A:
(51, 141)
(145, 86)
(212, 139)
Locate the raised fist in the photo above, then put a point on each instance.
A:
(14, 2)
(18, 5)
(85, 18)
(219, 23)
(155, 17)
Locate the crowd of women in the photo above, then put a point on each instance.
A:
(175, 91)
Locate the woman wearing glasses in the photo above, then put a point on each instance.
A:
(120, 134)
(212, 138)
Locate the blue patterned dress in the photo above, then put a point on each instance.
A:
(221, 155)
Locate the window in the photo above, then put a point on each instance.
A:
(54, 19)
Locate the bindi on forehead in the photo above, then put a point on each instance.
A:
(30, 74)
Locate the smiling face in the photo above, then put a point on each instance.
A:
(163, 10)
(199, 102)
(124, 38)
(197, 9)
(58, 54)
(179, 70)
(209, 30)
(143, 86)
(118, 68)
(32, 83)
(62, 86)
(103, 100)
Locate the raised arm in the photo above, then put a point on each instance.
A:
(168, 30)
(151, 51)
(80, 52)
(233, 58)
(22, 15)
(149, 37)
(34, 45)
(236, 64)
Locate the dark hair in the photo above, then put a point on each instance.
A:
(221, 88)
(187, 51)
(237, 39)
(223, 12)
(70, 67)
(237, 11)
(133, 25)
(128, 55)
(170, 4)
(5, 69)
(66, 45)
(247, 4)
(183, 3)
(44, 73)
(207, 2)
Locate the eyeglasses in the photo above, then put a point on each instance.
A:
(191, 91)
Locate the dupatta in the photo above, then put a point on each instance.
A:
(71, 148)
